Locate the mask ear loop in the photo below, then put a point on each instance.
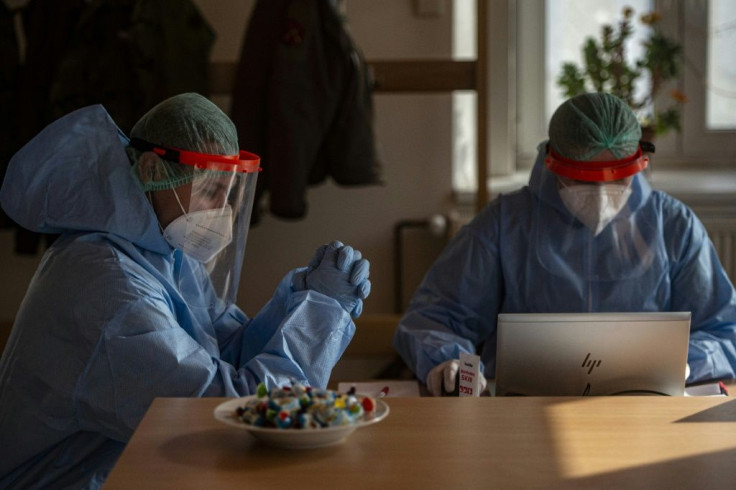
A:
(186, 216)
(158, 220)
(150, 197)
(166, 171)
(180, 205)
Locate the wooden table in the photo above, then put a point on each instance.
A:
(641, 442)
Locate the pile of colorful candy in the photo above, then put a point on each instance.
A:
(304, 407)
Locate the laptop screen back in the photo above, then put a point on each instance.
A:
(577, 354)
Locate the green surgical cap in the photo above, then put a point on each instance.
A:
(188, 122)
(588, 124)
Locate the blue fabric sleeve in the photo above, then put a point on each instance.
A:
(229, 329)
(456, 305)
(308, 342)
(264, 325)
(143, 353)
(701, 286)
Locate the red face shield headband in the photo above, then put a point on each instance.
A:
(599, 171)
(244, 162)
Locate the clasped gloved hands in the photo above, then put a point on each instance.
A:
(442, 379)
(340, 272)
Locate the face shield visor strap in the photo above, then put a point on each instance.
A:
(591, 171)
(244, 161)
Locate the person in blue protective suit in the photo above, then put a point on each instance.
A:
(135, 300)
(587, 234)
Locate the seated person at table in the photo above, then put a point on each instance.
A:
(135, 299)
(588, 234)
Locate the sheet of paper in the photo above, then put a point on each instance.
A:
(708, 389)
(373, 388)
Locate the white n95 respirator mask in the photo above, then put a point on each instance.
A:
(201, 234)
(595, 205)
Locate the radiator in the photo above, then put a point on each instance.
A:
(722, 233)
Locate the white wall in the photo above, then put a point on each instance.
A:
(414, 133)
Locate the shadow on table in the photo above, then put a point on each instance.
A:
(725, 412)
(700, 471)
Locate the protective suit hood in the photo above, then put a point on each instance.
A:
(75, 176)
(543, 184)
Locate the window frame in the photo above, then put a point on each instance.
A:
(699, 145)
(692, 148)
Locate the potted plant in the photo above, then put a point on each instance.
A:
(606, 69)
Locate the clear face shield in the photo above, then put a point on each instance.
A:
(586, 222)
(213, 226)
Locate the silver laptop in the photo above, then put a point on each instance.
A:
(579, 354)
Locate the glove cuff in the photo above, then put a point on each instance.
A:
(299, 279)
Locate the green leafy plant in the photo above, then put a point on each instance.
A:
(606, 69)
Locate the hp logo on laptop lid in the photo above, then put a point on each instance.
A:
(590, 363)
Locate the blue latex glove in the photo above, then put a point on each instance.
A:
(340, 272)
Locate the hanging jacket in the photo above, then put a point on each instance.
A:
(303, 101)
(9, 86)
(142, 52)
(125, 54)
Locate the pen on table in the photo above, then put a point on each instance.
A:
(724, 390)
(380, 394)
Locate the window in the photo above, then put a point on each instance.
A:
(708, 133)
(464, 140)
(568, 23)
(721, 92)
(709, 35)
(550, 31)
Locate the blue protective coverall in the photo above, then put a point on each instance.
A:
(104, 328)
(513, 258)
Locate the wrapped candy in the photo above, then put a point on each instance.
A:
(302, 407)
